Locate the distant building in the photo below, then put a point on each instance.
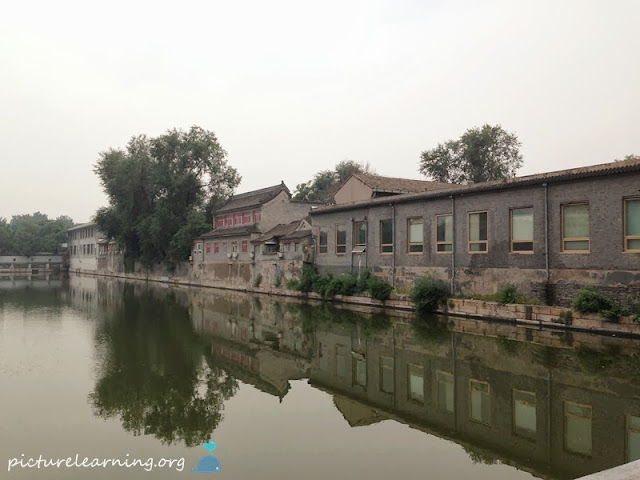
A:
(83, 241)
(227, 251)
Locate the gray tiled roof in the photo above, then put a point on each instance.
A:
(231, 231)
(278, 231)
(252, 199)
(400, 185)
(604, 169)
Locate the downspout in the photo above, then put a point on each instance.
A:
(393, 245)
(453, 245)
(366, 243)
(546, 228)
(352, 244)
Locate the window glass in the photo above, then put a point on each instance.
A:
(386, 374)
(522, 230)
(386, 236)
(632, 224)
(478, 232)
(575, 227)
(415, 235)
(633, 438)
(341, 239)
(444, 233)
(359, 233)
(323, 241)
(360, 372)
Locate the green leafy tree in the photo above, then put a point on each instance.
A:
(479, 155)
(159, 190)
(324, 184)
(29, 234)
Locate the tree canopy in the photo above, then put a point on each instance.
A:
(479, 155)
(29, 234)
(159, 190)
(326, 183)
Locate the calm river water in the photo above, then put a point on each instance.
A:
(140, 375)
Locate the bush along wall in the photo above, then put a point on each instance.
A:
(327, 285)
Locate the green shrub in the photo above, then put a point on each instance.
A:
(257, 280)
(342, 285)
(277, 281)
(428, 293)
(308, 278)
(378, 289)
(293, 284)
(508, 294)
(363, 281)
(591, 300)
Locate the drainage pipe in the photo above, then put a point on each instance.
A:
(453, 244)
(546, 228)
(393, 245)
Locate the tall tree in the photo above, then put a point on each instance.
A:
(479, 155)
(326, 183)
(159, 189)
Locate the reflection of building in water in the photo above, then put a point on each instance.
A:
(258, 342)
(525, 404)
(94, 295)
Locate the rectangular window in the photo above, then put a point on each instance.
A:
(386, 236)
(256, 216)
(386, 374)
(522, 230)
(208, 247)
(216, 247)
(297, 248)
(237, 219)
(359, 237)
(444, 233)
(415, 375)
(245, 246)
(633, 438)
(341, 239)
(445, 392)
(234, 247)
(246, 218)
(360, 371)
(575, 228)
(228, 220)
(478, 232)
(285, 247)
(224, 247)
(524, 413)
(323, 239)
(415, 235)
(219, 222)
(479, 401)
(341, 361)
(323, 356)
(632, 225)
(577, 428)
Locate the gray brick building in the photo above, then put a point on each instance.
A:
(548, 234)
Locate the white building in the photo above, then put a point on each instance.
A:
(83, 247)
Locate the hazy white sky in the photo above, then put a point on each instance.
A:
(293, 87)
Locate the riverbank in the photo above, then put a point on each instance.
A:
(555, 318)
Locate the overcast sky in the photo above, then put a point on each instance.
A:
(293, 87)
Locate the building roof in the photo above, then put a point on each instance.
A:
(400, 185)
(251, 199)
(278, 231)
(604, 169)
(82, 225)
(297, 235)
(231, 231)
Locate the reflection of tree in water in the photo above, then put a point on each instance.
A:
(313, 316)
(155, 375)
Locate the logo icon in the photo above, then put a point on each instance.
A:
(208, 463)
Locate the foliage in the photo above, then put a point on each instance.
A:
(479, 155)
(592, 300)
(159, 190)
(257, 280)
(328, 285)
(378, 288)
(29, 234)
(508, 294)
(277, 281)
(327, 182)
(428, 293)
(314, 316)
(508, 345)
